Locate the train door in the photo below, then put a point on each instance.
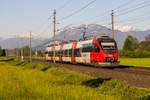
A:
(86, 50)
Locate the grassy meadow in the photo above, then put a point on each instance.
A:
(139, 62)
(30, 81)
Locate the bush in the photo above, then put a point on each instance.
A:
(136, 53)
(132, 48)
(122, 90)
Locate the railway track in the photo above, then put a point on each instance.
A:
(134, 76)
(126, 69)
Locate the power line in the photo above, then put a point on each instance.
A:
(138, 21)
(133, 19)
(134, 9)
(124, 4)
(104, 13)
(103, 16)
(30, 47)
(51, 16)
(60, 8)
(77, 11)
(64, 5)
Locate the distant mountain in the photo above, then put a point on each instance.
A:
(11, 43)
(1, 39)
(126, 28)
(14, 41)
(75, 33)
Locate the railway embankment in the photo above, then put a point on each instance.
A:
(134, 76)
(23, 80)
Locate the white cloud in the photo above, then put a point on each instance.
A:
(126, 28)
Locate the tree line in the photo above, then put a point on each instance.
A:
(133, 48)
(25, 51)
(2, 52)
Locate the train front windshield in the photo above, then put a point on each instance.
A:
(108, 45)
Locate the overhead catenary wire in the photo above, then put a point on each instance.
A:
(137, 21)
(119, 7)
(51, 16)
(115, 9)
(139, 6)
(60, 8)
(102, 14)
(99, 15)
(64, 5)
(133, 19)
(123, 5)
(77, 11)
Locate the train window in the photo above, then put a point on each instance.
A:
(50, 53)
(61, 53)
(77, 52)
(58, 53)
(108, 47)
(96, 48)
(70, 52)
(55, 53)
(66, 53)
(87, 47)
(46, 52)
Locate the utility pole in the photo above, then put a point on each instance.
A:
(22, 58)
(17, 50)
(54, 14)
(112, 18)
(30, 47)
(64, 36)
(36, 53)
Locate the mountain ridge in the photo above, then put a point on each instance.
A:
(75, 33)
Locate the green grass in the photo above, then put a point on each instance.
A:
(35, 57)
(30, 81)
(139, 62)
(38, 57)
(5, 58)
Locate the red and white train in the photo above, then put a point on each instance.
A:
(100, 51)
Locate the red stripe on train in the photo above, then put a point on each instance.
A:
(73, 59)
(74, 45)
(60, 58)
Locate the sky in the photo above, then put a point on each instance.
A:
(23, 16)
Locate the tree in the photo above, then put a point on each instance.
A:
(0, 50)
(145, 45)
(131, 43)
(147, 38)
(26, 51)
(3, 52)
